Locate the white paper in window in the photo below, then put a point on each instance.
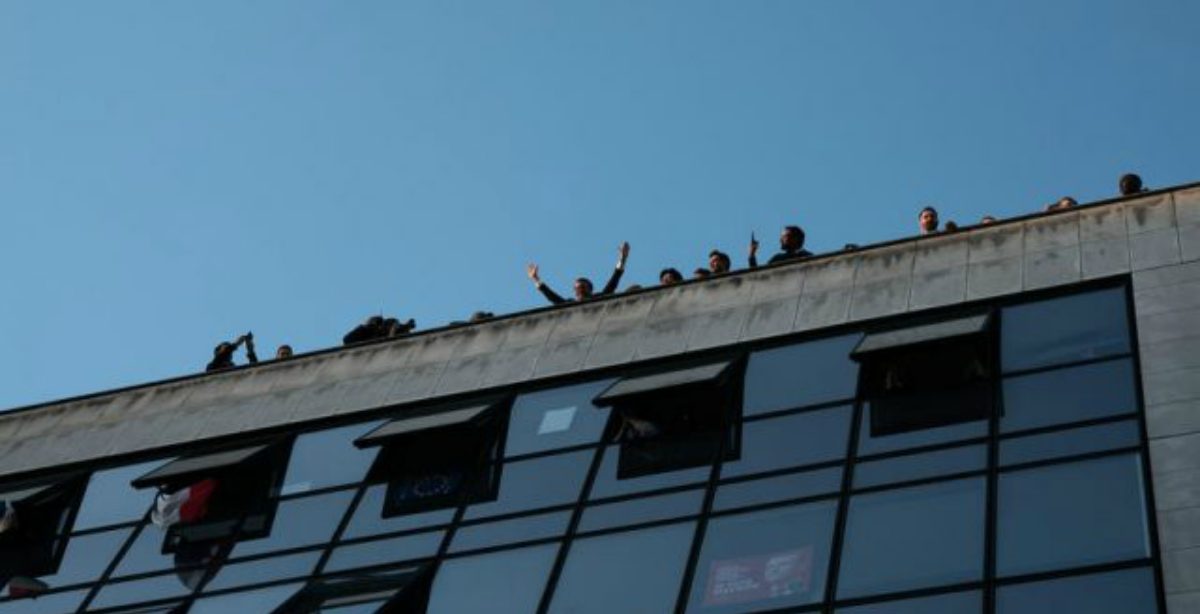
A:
(556, 420)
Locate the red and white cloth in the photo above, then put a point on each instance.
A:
(183, 506)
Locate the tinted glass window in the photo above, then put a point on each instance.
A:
(790, 486)
(1090, 512)
(498, 532)
(328, 458)
(913, 537)
(607, 484)
(301, 522)
(805, 374)
(557, 418)
(1066, 443)
(390, 550)
(636, 571)
(954, 603)
(662, 507)
(764, 560)
(868, 444)
(148, 589)
(1120, 592)
(260, 600)
(790, 441)
(110, 499)
(537, 482)
(54, 603)
(1068, 395)
(368, 516)
(1066, 329)
(264, 570)
(509, 582)
(86, 557)
(917, 466)
(145, 554)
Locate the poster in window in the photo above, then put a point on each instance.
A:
(786, 573)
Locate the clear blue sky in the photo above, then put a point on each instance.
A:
(174, 173)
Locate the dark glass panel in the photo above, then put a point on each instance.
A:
(868, 444)
(300, 522)
(1129, 591)
(635, 511)
(500, 532)
(86, 557)
(381, 551)
(607, 484)
(1068, 395)
(537, 482)
(146, 553)
(918, 466)
(110, 499)
(913, 538)
(790, 486)
(1090, 512)
(1067, 443)
(264, 570)
(509, 582)
(54, 603)
(368, 516)
(634, 571)
(953, 603)
(791, 441)
(259, 600)
(147, 589)
(558, 418)
(798, 375)
(328, 458)
(764, 560)
(1066, 329)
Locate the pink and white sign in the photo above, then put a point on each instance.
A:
(755, 578)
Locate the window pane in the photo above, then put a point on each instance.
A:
(1068, 395)
(763, 560)
(557, 418)
(54, 603)
(264, 570)
(260, 600)
(790, 486)
(636, 571)
(500, 532)
(607, 484)
(954, 603)
(1066, 329)
(1066, 443)
(642, 510)
(538, 482)
(368, 516)
(791, 441)
(300, 522)
(1091, 512)
(805, 374)
(145, 554)
(148, 589)
(913, 538)
(509, 582)
(111, 500)
(86, 557)
(1120, 592)
(912, 439)
(392, 550)
(328, 458)
(918, 466)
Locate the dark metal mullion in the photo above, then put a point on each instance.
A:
(693, 559)
(1059, 366)
(102, 581)
(1074, 458)
(991, 502)
(797, 409)
(833, 570)
(336, 538)
(1069, 426)
(572, 527)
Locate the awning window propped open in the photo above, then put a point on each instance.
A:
(190, 468)
(921, 334)
(466, 417)
(403, 591)
(34, 522)
(710, 375)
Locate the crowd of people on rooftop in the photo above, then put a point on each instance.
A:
(791, 247)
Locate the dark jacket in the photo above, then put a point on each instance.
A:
(783, 256)
(378, 329)
(608, 289)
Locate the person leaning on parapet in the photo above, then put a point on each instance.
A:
(669, 276)
(1065, 202)
(223, 353)
(718, 262)
(378, 327)
(791, 247)
(283, 352)
(927, 221)
(1130, 184)
(583, 285)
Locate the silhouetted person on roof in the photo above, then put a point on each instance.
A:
(718, 262)
(791, 247)
(283, 351)
(378, 327)
(583, 285)
(223, 353)
(1130, 184)
(927, 221)
(669, 276)
(1065, 202)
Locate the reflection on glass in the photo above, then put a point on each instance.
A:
(764, 560)
(607, 484)
(300, 522)
(86, 557)
(53, 603)
(791, 441)
(1092, 512)
(538, 482)
(953, 603)
(1076, 327)
(912, 439)
(264, 570)
(509, 582)
(635, 511)
(641, 570)
(790, 486)
(147, 589)
(1130, 591)
(805, 374)
(260, 600)
(918, 466)
(378, 552)
(495, 533)
(110, 499)
(146, 554)
(912, 538)
(368, 516)
(557, 418)
(1068, 395)
(328, 458)
(1066, 443)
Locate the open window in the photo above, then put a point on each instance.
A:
(34, 523)
(929, 374)
(440, 458)
(676, 419)
(218, 496)
(405, 591)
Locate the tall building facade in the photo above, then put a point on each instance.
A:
(1004, 419)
